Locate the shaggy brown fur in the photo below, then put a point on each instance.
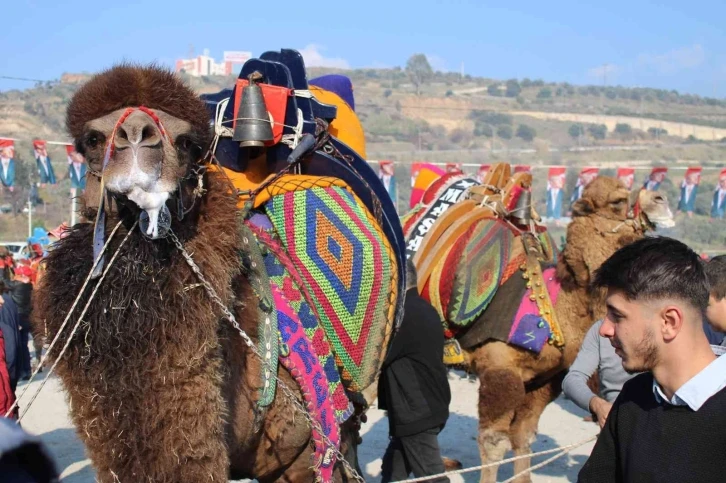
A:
(129, 85)
(516, 385)
(161, 387)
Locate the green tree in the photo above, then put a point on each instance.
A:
(419, 71)
(481, 129)
(544, 93)
(526, 132)
(504, 131)
(387, 93)
(576, 130)
(513, 88)
(623, 128)
(493, 90)
(657, 132)
(495, 118)
(611, 94)
(597, 131)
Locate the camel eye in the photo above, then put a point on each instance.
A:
(94, 138)
(187, 145)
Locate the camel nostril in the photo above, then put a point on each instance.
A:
(121, 134)
(147, 133)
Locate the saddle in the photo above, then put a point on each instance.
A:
(323, 246)
(473, 246)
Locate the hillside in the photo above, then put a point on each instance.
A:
(450, 118)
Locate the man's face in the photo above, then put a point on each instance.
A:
(41, 151)
(7, 152)
(716, 313)
(657, 177)
(692, 178)
(587, 178)
(632, 330)
(722, 183)
(557, 181)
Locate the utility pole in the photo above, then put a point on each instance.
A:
(73, 206)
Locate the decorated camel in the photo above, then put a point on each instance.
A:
(227, 322)
(515, 310)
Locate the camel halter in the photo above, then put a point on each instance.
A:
(100, 223)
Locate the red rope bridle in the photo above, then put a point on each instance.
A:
(110, 147)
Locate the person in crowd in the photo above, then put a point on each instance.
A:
(7, 395)
(414, 389)
(10, 347)
(596, 355)
(669, 423)
(23, 457)
(21, 290)
(716, 311)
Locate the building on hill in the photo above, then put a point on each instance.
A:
(205, 65)
(69, 78)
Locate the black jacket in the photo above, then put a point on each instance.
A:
(22, 293)
(413, 386)
(9, 321)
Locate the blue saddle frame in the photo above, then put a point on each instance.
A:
(286, 68)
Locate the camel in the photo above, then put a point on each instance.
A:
(161, 387)
(463, 239)
(515, 384)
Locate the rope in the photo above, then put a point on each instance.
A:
(65, 321)
(560, 452)
(78, 323)
(251, 345)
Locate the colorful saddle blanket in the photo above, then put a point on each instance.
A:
(333, 279)
(465, 253)
(334, 251)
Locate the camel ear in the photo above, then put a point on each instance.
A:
(582, 207)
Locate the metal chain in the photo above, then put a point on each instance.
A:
(248, 341)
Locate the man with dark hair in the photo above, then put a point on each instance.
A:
(668, 424)
(716, 312)
(414, 389)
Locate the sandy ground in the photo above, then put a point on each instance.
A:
(561, 424)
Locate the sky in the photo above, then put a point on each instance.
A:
(672, 45)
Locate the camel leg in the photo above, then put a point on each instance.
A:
(526, 420)
(501, 391)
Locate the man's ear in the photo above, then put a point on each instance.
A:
(582, 207)
(672, 322)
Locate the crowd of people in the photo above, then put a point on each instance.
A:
(661, 383)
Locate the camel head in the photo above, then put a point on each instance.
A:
(651, 208)
(609, 199)
(606, 197)
(143, 132)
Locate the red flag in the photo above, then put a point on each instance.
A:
(587, 174)
(693, 176)
(40, 148)
(627, 176)
(656, 177)
(73, 155)
(385, 168)
(454, 168)
(556, 177)
(7, 148)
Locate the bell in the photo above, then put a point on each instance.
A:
(253, 126)
(522, 212)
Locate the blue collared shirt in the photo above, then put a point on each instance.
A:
(699, 389)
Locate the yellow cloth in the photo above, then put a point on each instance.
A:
(346, 126)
